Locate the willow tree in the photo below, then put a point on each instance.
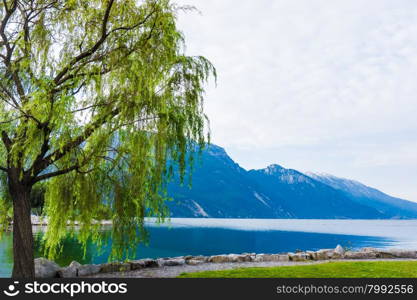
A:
(98, 101)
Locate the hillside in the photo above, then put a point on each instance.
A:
(222, 189)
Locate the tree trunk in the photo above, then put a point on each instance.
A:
(24, 266)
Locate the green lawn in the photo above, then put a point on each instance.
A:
(365, 269)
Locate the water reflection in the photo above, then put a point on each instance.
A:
(193, 240)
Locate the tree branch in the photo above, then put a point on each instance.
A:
(93, 49)
(54, 174)
(59, 153)
(6, 140)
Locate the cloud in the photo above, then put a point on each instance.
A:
(312, 74)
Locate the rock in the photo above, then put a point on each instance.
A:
(249, 256)
(86, 270)
(45, 268)
(339, 250)
(219, 259)
(110, 267)
(360, 255)
(171, 262)
(69, 272)
(194, 262)
(312, 255)
(199, 258)
(399, 253)
(143, 263)
(324, 254)
(368, 249)
(230, 258)
(137, 264)
(259, 257)
(239, 257)
(299, 256)
(271, 257)
(124, 267)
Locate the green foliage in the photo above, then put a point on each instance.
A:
(98, 102)
(363, 269)
(6, 208)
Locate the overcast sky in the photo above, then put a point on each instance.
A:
(314, 85)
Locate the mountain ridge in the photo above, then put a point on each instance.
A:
(221, 188)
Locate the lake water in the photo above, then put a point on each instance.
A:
(222, 236)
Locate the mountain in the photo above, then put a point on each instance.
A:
(223, 189)
(360, 193)
(307, 198)
(220, 189)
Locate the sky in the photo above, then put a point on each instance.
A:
(313, 85)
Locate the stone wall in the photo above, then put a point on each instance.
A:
(48, 269)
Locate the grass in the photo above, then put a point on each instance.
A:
(366, 269)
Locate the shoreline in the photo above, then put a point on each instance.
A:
(174, 266)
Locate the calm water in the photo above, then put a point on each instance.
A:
(219, 236)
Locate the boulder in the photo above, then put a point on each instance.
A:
(199, 258)
(86, 270)
(360, 255)
(194, 262)
(143, 263)
(339, 250)
(369, 249)
(110, 267)
(259, 257)
(45, 268)
(312, 255)
(219, 259)
(399, 253)
(124, 267)
(69, 272)
(271, 257)
(239, 257)
(230, 258)
(171, 262)
(299, 256)
(324, 254)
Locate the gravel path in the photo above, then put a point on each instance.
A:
(174, 271)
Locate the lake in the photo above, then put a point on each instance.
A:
(222, 236)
